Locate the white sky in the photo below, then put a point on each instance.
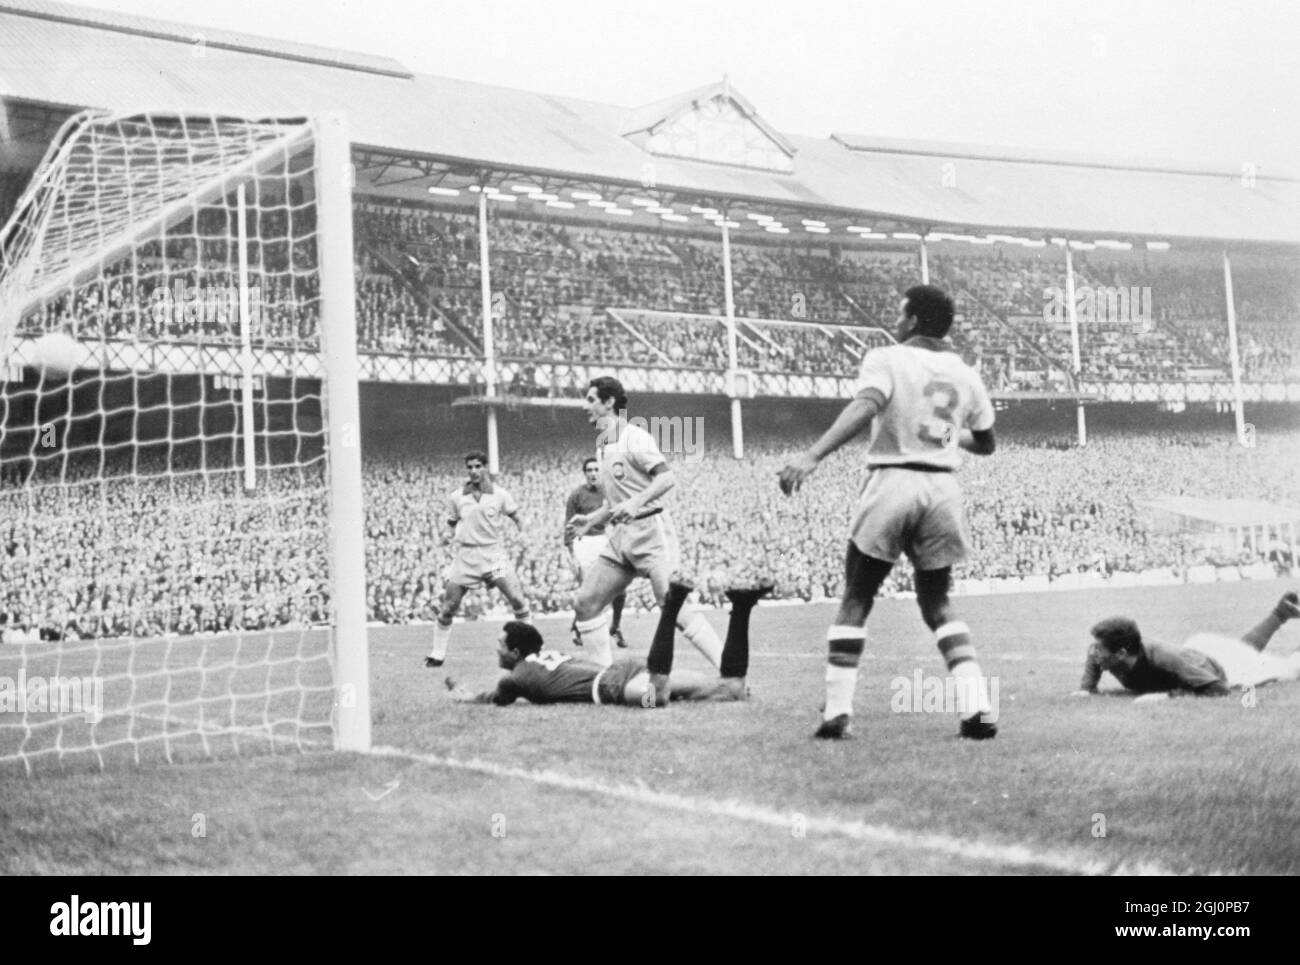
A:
(1213, 80)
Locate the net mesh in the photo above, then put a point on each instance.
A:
(164, 577)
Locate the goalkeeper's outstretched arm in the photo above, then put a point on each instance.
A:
(501, 695)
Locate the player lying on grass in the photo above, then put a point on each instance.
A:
(548, 677)
(1207, 665)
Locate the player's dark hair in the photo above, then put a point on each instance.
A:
(607, 387)
(590, 460)
(932, 308)
(1118, 635)
(523, 637)
(476, 455)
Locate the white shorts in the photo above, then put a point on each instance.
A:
(586, 549)
(1242, 664)
(909, 511)
(644, 546)
(472, 565)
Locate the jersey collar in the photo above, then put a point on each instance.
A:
(484, 488)
(931, 343)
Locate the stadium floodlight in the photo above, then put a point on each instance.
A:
(857, 228)
(557, 203)
(602, 204)
(670, 216)
(512, 198)
(644, 203)
(816, 229)
(524, 188)
(1158, 246)
(584, 195)
(620, 211)
(874, 235)
(810, 223)
(760, 218)
(658, 209)
(907, 236)
(475, 188)
(776, 229)
(239, 446)
(446, 192)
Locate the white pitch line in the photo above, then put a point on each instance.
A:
(1064, 862)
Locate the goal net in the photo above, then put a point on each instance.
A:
(181, 559)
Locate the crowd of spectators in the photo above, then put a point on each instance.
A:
(145, 547)
(801, 308)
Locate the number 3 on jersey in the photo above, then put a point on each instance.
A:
(939, 428)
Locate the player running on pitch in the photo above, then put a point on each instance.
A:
(1207, 665)
(923, 403)
(547, 677)
(583, 550)
(476, 514)
(635, 476)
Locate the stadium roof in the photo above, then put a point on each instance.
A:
(70, 57)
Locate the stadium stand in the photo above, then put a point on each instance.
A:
(629, 297)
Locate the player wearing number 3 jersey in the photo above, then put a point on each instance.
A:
(923, 404)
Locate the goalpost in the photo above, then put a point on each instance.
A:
(182, 560)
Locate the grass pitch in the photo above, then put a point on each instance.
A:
(1069, 786)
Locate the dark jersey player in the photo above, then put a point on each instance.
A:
(547, 677)
(1206, 665)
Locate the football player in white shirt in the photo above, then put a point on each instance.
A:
(635, 476)
(476, 516)
(923, 403)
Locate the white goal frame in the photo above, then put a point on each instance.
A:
(327, 134)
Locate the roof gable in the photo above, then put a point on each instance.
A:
(713, 123)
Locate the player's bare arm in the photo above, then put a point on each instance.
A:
(500, 695)
(664, 480)
(583, 523)
(853, 419)
(463, 695)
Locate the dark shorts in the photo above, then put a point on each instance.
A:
(614, 680)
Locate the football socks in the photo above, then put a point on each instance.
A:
(844, 650)
(595, 638)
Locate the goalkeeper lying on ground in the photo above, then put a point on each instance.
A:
(547, 677)
(1207, 665)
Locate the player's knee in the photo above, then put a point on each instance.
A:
(586, 606)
